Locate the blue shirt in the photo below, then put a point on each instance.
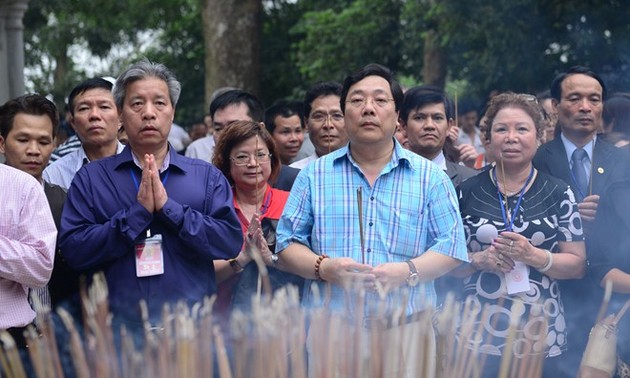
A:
(102, 219)
(411, 209)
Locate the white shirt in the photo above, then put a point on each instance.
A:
(300, 164)
(440, 160)
(27, 244)
(62, 171)
(178, 137)
(202, 148)
(463, 138)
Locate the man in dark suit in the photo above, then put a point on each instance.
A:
(589, 165)
(426, 116)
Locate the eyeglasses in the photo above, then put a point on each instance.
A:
(244, 159)
(359, 102)
(320, 118)
(528, 97)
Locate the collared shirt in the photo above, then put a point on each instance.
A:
(300, 164)
(102, 219)
(440, 161)
(27, 244)
(69, 145)
(63, 170)
(202, 148)
(411, 209)
(570, 147)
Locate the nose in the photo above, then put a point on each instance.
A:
(32, 148)
(585, 105)
(368, 107)
(149, 111)
(254, 159)
(95, 113)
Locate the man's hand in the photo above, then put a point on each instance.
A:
(346, 272)
(588, 208)
(159, 193)
(145, 191)
(392, 275)
(467, 154)
(453, 134)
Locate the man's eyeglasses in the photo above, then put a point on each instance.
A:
(244, 159)
(359, 102)
(320, 118)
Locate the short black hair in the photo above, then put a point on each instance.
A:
(323, 89)
(417, 97)
(556, 84)
(32, 104)
(372, 69)
(285, 109)
(255, 108)
(93, 83)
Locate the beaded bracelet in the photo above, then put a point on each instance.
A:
(317, 265)
(549, 263)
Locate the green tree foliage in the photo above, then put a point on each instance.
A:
(518, 45)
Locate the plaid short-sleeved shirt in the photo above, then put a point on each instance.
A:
(412, 208)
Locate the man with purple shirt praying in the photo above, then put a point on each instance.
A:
(152, 220)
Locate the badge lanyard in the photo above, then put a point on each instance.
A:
(509, 222)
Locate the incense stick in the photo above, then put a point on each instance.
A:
(360, 209)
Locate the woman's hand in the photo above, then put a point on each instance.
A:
(491, 260)
(518, 248)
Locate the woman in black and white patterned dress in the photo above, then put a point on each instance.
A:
(523, 233)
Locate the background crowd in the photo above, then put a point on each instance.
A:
(404, 192)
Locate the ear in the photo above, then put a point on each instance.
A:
(554, 105)
(2, 145)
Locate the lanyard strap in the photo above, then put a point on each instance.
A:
(509, 222)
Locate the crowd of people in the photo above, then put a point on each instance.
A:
(361, 185)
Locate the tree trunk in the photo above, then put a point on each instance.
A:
(434, 67)
(231, 33)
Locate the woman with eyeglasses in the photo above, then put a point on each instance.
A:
(524, 233)
(246, 154)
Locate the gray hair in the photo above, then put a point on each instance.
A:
(146, 69)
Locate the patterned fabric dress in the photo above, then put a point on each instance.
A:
(547, 215)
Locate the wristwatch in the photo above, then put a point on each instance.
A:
(413, 279)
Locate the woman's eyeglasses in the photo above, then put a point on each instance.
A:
(244, 159)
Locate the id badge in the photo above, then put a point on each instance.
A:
(518, 279)
(149, 256)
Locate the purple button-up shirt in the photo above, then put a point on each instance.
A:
(102, 219)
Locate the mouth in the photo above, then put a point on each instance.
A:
(32, 164)
(585, 121)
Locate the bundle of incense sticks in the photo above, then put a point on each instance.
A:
(277, 338)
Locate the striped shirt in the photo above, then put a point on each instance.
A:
(411, 209)
(27, 244)
(63, 170)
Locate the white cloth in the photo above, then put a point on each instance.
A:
(178, 137)
(306, 150)
(440, 160)
(62, 171)
(304, 162)
(202, 148)
(27, 244)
